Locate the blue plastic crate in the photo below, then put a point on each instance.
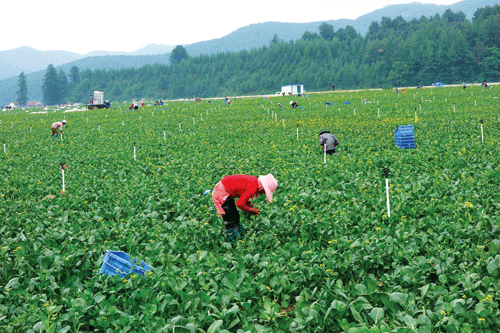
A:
(328, 103)
(404, 137)
(118, 263)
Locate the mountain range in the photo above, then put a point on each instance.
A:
(34, 62)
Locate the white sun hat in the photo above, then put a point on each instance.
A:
(269, 183)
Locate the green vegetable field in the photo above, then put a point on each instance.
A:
(324, 256)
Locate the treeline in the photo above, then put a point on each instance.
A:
(394, 52)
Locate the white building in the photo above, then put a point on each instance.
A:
(297, 88)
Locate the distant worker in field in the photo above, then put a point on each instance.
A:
(333, 87)
(328, 141)
(485, 84)
(131, 107)
(464, 85)
(56, 126)
(245, 188)
(279, 105)
(293, 104)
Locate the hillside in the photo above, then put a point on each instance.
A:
(253, 36)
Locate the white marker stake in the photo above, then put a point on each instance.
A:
(180, 129)
(99, 128)
(445, 99)
(30, 128)
(324, 153)
(193, 120)
(471, 94)
(396, 104)
(12, 123)
(420, 107)
(387, 192)
(482, 138)
(297, 132)
(123, 123)
(475, 102)
(106, 116)
(339, 108)
(134, 151)
(453, 107)
(354, 111)
(153, 114)
(63, 187)
(61, 136)
(378, 111)
(41, 120)
(201, 116)
(415, 114)
(283, 118)
(4, 150)
(140, 117)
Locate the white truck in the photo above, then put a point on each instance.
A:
(97, 101)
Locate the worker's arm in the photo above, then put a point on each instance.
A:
(243, 201)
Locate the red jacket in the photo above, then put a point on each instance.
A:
(243, 187)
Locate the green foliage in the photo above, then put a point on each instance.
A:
(178, 54)
(275, 39)
(323, 256)
(326, 31)
(62, 81)
(50, 86)
(74, 74)
(22, 93)
(310, 36)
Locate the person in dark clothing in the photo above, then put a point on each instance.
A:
(333, 87)
(328, 140)
(293, 104)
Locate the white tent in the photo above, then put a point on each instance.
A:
(12, 105)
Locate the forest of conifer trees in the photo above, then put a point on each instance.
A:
(394, 52)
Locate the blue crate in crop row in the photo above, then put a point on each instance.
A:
(118, 262)
(404, 137)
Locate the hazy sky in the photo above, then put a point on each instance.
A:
(98, 25)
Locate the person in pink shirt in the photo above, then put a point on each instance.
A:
(55, 126)
(245, 188)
